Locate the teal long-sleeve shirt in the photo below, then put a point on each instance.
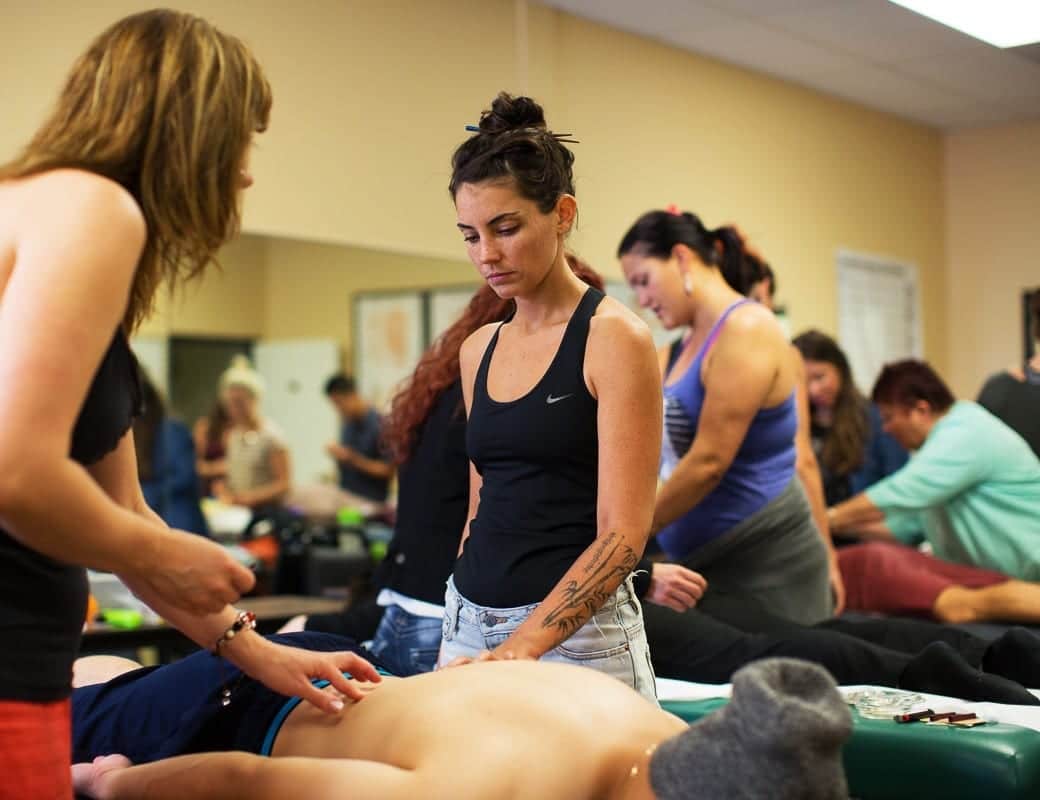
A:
(973, 489)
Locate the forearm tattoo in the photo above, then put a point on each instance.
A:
(610, 564)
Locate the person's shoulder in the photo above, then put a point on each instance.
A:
(84, 196)
(966, 417)
(476, 343)
(614, 322)
(754, 319)
(272, 432)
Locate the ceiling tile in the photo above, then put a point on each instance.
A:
(879, 87)
(752, 45)
(652, 18)
(874, 29)
(985, 73)
(766, 8)
(969, 115)
(868, 51)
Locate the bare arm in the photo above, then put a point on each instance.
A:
(244, 776)
(623, 372)
(80, 237)
(855, 514)
(809, 473)
(287, 670)
(739, 376)
(373, 467)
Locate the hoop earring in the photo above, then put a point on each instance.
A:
(688, 285)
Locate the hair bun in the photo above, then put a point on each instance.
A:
(510, 113)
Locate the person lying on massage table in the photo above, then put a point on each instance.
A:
(519, 729)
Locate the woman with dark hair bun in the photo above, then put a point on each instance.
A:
(853, 451)
(564, 417)
(731, 506)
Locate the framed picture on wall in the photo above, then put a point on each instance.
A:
(444, 306)
(389, 338)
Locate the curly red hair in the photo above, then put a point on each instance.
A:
(439, 366)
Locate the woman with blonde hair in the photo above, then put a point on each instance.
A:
(258, 464)
(133, 181)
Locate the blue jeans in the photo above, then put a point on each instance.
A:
(612, 641)
(405, 643)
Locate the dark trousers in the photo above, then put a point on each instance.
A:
(708, 644)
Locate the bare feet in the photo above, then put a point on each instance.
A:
(956, 604)
(92, 780)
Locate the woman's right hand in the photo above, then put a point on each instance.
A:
(193, 573)
(674, 586)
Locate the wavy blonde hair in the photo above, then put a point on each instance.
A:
(166, 105)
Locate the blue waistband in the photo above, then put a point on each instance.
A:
(290, 704)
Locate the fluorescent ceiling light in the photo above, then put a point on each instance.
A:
(1004, 23)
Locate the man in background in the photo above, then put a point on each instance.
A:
(363, 467)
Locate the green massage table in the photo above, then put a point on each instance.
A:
(884, 759)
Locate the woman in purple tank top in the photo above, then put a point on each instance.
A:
(731, 505)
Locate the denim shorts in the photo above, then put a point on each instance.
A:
(406, 643)
(612, 641)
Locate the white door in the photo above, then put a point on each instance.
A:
(295, 371)
(879, 318)
(153, 353)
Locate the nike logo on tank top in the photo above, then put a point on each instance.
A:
(538, 457)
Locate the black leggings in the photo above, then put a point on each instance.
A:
(709, 643)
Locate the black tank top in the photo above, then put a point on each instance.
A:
(538, 457)
(42, 601)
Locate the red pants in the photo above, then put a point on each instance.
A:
(896, 579)
(35, 750)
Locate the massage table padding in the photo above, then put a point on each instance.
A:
(884, 759)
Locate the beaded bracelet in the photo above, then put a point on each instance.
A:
(245, 620)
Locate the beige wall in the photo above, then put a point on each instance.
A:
(993, 246)
(311, 287)
(370, 99)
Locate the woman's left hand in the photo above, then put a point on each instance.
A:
(289, 671)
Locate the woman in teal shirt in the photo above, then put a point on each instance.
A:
(972, 491)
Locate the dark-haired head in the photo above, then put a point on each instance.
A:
(815, 345)
(908, 382)
(514, 198)
(340, 383)
(911, 397)
(513, 143)
(762, 288)
(657, 233)
(835, 402)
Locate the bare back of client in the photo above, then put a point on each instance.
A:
(520, 729)
(524, 729)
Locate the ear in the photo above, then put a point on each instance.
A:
(684, 257)
(566, 213)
